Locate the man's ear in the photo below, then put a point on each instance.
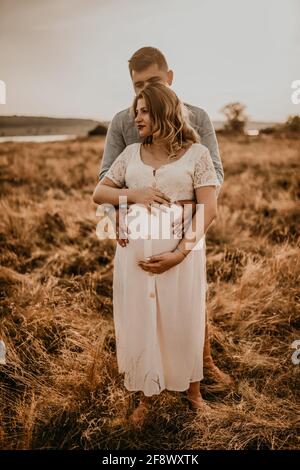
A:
(170, 76)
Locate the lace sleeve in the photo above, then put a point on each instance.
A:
(204, 171)
(117, 171)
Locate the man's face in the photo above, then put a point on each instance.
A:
(152, 74)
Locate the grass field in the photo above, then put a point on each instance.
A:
(60, 387)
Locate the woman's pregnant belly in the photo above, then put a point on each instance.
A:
(152, 233)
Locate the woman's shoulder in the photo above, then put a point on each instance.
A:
(199, 149)
(127, 153)
(199, 152)
(131, 148)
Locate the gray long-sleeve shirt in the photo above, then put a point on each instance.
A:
(122, 131)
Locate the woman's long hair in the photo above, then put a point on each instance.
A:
(169, 118)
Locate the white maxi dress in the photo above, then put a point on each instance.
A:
(159, 319)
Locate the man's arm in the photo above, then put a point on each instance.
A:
(114, 145)
(209, 139)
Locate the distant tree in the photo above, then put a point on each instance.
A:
(236, 117)
(293, 124)
(98, 130)
(268, 130)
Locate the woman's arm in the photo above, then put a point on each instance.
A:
(107, 191)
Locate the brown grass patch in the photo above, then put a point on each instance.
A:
(60, 387)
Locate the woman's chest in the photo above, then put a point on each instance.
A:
(175, 179)
(159, 159)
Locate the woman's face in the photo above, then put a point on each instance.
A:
(142, 119)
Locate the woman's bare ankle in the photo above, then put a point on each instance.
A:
(145, 400)
(194, 395)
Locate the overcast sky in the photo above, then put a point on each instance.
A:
(68, 58)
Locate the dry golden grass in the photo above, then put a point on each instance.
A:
(60, 387)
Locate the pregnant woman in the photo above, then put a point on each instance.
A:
(159, 283)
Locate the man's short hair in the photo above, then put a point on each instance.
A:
(145, 57)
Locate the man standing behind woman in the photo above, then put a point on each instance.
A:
(148, 66)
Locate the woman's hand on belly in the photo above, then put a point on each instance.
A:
(158, 264)
(149, 195)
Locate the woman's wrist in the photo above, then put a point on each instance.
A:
(180, 254)
(131, 196)
(182, 250)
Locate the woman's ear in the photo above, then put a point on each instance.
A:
(170, 76)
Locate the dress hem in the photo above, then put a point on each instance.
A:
(165, 388)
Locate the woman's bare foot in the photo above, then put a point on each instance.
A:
(137, 418)
(213, 372)
(196, 402)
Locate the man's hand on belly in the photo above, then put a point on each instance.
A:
(121, 227)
